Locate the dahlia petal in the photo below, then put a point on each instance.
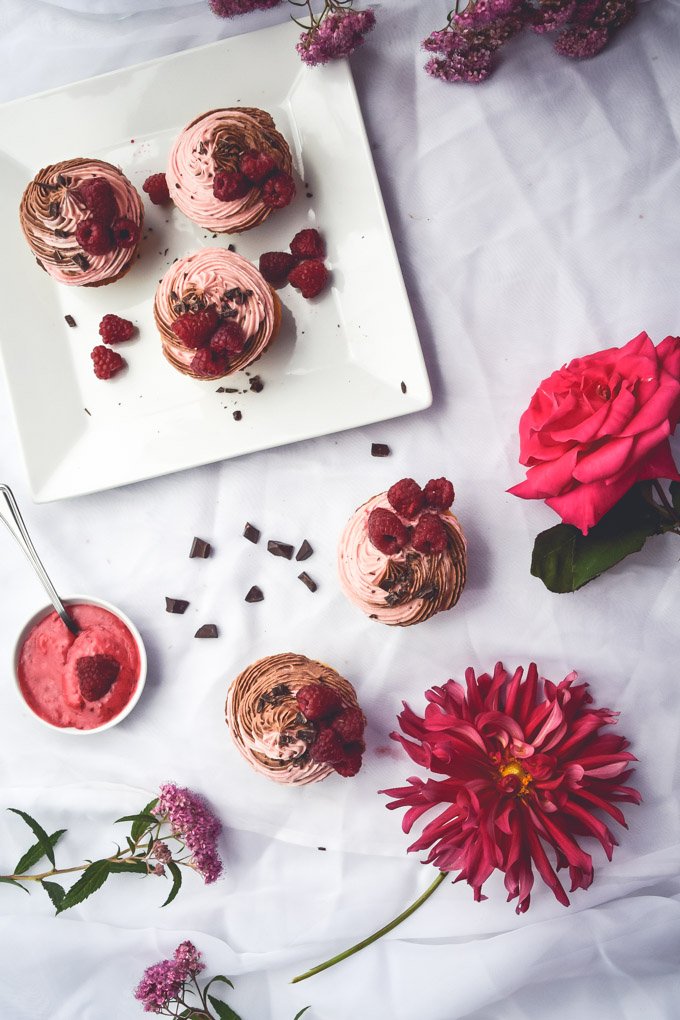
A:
(594, 826)
(604, 805)
(544, 868)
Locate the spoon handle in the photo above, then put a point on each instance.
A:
(18, 529)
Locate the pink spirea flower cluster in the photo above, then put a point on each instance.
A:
(523, 770)
(232, 8)
(162, 982)
(192, 820)
(338, 35)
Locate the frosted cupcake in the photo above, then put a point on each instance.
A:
(82, 219)
(295, 720)
(230, 169)
(215, 313)
(402, 556)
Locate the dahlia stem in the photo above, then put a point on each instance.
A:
(376, 935)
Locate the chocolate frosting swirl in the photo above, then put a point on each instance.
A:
(215, 141)
(266, 723)
(51, 209)
(407, 588)
(215, 276)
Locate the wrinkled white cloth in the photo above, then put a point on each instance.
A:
(535, 221)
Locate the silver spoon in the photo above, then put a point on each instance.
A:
(17, 527)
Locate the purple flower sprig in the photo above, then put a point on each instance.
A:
(175, 830)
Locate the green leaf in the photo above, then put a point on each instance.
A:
(55, 892)
(565, 560)
(298, 1015)
(43, 838)
(36, 853)
(142, 820)
(139, 827)
(675, 494)
(176, 881)
(128, 867)
(92, 878)
(224, 1012)
(11, 881)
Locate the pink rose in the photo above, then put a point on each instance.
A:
(599, 425)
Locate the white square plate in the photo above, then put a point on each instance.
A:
(339, 361)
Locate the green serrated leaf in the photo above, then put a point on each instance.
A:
(55, 892)
(176, 881)
(11, 881)
(139, 827)
(224, 1012)
(39, 832)
(129, 867)
(217, 977)
(92, 878)
(36, 853)
(143, 819)
(675, 494)
(298, 1015)
(565, 560)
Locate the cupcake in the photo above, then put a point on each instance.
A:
(229, 169)
(82, 219)
(295, 720)
(403, 556)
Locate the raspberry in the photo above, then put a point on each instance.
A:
(228, 185)
(309, 277)
(229, 338)
(429, 535)
(316, 701)
(209, 364)
(406, 497)
(308, 244)
(439, 493)
(276, 265)
(348, 766)
(256, 166)
(93, 237)
(99, 199)
(278, 190)
(96, 675)
(106, 362)
(386, 532)
(349, 725)
(327, 747)
(125, 232)
(156, 188)
(114, 330)
(194, 329)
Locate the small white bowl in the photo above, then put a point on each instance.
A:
(80, 600)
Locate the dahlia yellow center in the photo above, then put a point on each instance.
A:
(523, 778)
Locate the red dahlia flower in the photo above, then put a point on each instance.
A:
(525, 771)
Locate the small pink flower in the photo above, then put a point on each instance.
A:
(192, 820)
(187, 959)
(160, 984)
(232, 8)
(338, 35)
(581, 43)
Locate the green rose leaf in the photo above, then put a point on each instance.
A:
(11, 881)
(43, 838)
(92, 878)
(55, 892)
(176, 881)
(565, 560)
(224, 1012)
(675, 494)
(36, 853)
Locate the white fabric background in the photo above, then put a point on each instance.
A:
(536, 220)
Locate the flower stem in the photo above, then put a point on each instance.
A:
(376, 935)
(664, 499)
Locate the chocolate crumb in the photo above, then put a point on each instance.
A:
(255, 595)
(53, 210)
(256, 384)
(61, 233)
(87, 412)
(307, 581)
(403, 386)
(63, 181)
(428, 592)
(177, 606)
(277, 548)
(237, 416)
(387, 583)
(226, 389)
(200, 549)
(57, 256)
(310, 195)
(251, 533)
(208, 630)
(304, 552)
(231, 247)
(373, 617)
(81, 261)
(259, 708)
(380, 450)
(70, 321)
(281, 691)
(321, 848)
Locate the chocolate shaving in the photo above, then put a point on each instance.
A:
(177, 606)
(57, 256)
(41, 265)
(304, 552)
(54, 210)
(46, 187)
(307, 581)
(70, 321)
(281, 691)
(387, 583)
(306, 735)
(380, 450)
(259, 708)
(428, 592)
(208, 630)
(202, 148)
(61, 233)
(251, 533)
(200, 549)
(63, 181)
(403, 386)
(231, 247)
(277, 548)
(226, 389)
(286, 739)
(392, 599)
(256, 384)
(81, 261)
(255, 594)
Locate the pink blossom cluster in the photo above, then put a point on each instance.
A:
(337, 35)
(162, 982)
(587, 25)
(193, 821)
(232, 8)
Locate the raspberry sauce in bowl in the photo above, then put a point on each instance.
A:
(80, 684)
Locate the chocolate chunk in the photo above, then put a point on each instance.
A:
(226, 389)
(70, 321)
(57, 256)
(81, 261)
(202, 148)
(53, 210)
(392, 599)
(281, 691)
(403, 386)
(231, 247)
(307, 581)
(380, 450)
(277, 548)
(237, 416)
(41, 265)
(200, 549)
(256, 384)
(255, 594)
(175, 605)
(304, 552)
(251, 533)
(427, 591)
(61, 233)
(63, 181)
(387, 583)
(321, 848)
(207, 630)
